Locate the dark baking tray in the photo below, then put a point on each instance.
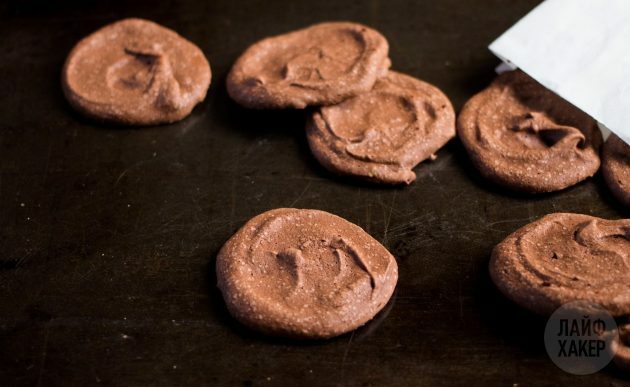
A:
(108, 235)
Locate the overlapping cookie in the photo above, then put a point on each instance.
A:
(383, 134)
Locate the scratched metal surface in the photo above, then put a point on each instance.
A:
(108, 235)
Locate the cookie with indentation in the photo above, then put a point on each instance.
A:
(319, 65)
(563, 258)
(135, 72)
(616, 168)
(383, 134)
(524, 137)
(304, 274)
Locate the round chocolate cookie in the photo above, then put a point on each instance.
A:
(319, 65)
(524, 137)
(616, 168)
(304, 274)
(135, 72)
(563, 258)
(382, 134)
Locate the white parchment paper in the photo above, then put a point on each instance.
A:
(580, 49)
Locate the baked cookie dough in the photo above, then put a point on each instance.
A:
(319, 65)
(304, 274)
(135, 72)
(616, 168)
(524, 137)
(563, 258)
(381, 135)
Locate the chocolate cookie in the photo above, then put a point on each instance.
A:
(616, 168)
(563, 258)
(304, 274)
(381, 135)
(524, 137)
(319, 65)
(135, 72)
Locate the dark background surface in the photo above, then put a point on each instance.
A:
(108, 235)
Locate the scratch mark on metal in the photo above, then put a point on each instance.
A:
(345, 354)
(308, 185)
(389, 217)
(492, 224)
(121, 176)
(47, 167)
(233, 187)
(42, 362)
(137, 164)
